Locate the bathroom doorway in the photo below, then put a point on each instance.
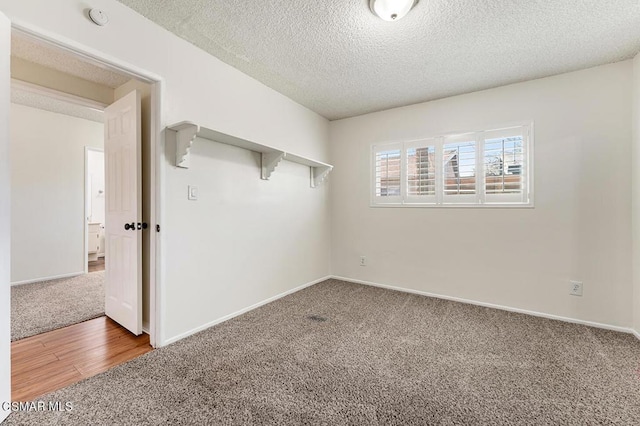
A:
(94, 209)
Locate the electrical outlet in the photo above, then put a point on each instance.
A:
(575, 288)
(363, 261)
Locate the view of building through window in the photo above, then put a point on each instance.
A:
(459, 168)
(421, 171)
(388, 172)
(503, 164)
(488, 167)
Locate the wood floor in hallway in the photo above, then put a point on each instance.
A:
(59, 358)
(96, 265)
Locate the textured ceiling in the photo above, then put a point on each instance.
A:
(40, 53)
(37, 100)
(338, 59)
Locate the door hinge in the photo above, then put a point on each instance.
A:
(157, 228)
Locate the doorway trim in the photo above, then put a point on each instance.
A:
(156, 272)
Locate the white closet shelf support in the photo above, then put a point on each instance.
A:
(186, 133)
(270, 161)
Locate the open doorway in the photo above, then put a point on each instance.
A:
(50, 289)
(95, 209)
(66, 107)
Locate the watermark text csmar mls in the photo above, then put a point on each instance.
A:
(37, 406)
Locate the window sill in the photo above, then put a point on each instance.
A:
(456, 206)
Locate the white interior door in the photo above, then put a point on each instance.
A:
(5, 206)
(123, 236)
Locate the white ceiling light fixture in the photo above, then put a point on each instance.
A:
(391, 10)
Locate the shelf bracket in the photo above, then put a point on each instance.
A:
(270, 161)
(185, 135)
(319, 174)
(186, 132)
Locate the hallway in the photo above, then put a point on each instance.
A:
(46, 362)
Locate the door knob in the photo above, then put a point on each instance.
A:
(131, 226)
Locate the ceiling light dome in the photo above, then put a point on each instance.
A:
(391, 10)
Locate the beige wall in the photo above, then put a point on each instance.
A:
(580, 228)
(46, 77)
(635, 166)
(47, 192)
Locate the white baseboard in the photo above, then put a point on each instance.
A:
(241, 311)
(636, 333)
(36, 280)
(491, 305)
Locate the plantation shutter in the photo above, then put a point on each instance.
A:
(491, 167)
(387, 173)
(505, 165)
(421, 171)
(459, 163)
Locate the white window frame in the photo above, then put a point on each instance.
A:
(478, 200)
(509, 199)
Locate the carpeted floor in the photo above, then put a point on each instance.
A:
(49, 305)
(339, 353)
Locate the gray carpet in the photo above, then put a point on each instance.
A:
(49, 305)
(339, 353)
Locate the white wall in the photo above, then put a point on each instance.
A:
(47, 192)
(5, 223)
(230, 249)
(580, 228)
(635, 167)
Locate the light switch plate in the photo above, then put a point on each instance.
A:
(193, 192)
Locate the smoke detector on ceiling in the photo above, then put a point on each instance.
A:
(391, 10)
(98, 17)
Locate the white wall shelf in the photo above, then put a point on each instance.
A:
(187, 132)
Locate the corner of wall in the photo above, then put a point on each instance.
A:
(5, 223)
(563, 217)
(635, 193)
